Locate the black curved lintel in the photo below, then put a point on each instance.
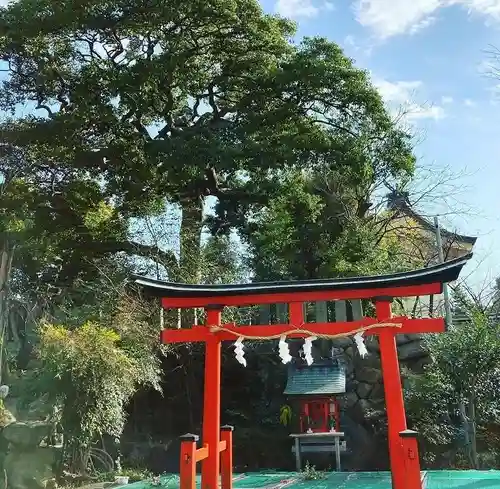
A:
(442, 273)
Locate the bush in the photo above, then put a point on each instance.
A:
(91, 374)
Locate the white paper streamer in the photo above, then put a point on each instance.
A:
(284, 351)
(308, 349)
(360, 343)
(239, 352)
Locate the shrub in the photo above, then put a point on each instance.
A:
(91, 374)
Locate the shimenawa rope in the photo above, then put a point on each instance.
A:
(300, 330)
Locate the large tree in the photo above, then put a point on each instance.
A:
(141, 103)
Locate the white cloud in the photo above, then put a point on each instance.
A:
(423, 24)
(416, 112)
(399, 97)
(358, 46)
(446, 99)
(396, 92)
(391, 17)
(350, 41)
(295, 9)
(388, 18)
(469, 103)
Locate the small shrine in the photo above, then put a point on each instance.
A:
(313, 392)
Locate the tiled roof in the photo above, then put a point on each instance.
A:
(315, 380)
(430, 227)
(398, 201)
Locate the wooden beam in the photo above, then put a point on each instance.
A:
(231, 331)
(321, 310)
(311, 296)
(202, 453)
(357, 309)
(264, 314)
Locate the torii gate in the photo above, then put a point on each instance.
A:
(216, 451)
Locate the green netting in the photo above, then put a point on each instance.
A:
(463, 479)
(258, 480)
(457, 479)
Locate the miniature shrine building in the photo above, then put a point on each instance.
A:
(313, 392)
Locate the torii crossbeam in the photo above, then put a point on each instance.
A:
(216, 451)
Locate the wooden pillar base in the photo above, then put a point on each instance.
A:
(411, 459)
(226, 457)
(188, 461)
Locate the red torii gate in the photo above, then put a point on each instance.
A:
(216, 452)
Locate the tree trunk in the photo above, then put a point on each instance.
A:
(473, 433)
(465, 427)
(7, 254)
(190, 250)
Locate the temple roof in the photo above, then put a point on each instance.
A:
(430, 227)
(398, 201)
(315, 380)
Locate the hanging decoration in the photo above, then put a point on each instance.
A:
(360, 344)
(284, 350)
(308, 349)
(239, 352)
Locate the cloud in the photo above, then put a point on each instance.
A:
(415, 112)
(469, 103)
(446, 99)
(295, 9)
(358, 46)
(396, 92)
(423, 24)
(399, 98)
(387, 18)
(392, 17)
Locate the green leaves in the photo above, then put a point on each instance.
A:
(459, 388)
(468, 355)
(91, 377)
(315, 227)
(91, 372)
(148, 96)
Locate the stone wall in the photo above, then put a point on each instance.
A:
(27, 460)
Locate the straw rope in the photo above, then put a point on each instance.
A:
(300, 330)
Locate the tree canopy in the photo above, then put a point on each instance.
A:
(135, 104)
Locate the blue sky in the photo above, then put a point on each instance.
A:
(431, 57)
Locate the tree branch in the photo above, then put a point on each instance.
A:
(166, 258)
